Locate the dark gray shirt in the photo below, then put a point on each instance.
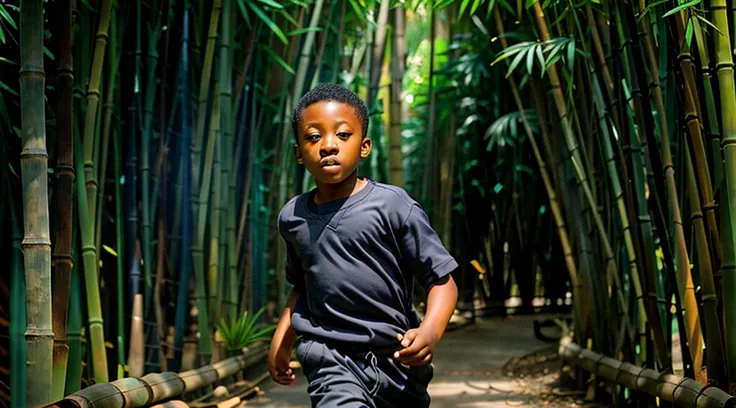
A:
(354, 259)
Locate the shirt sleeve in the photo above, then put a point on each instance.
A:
(422, 249)
(294, 271)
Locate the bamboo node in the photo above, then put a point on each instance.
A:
(29, 241)
(31, 152)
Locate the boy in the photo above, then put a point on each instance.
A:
(353, 247)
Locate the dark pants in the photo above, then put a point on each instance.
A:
(351, 379)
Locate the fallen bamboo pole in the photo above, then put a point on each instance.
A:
(133, 392)
(682, 391)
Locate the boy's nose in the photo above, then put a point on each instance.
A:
(329, 146)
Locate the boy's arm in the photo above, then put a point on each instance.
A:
(419, 343)
(284, 337)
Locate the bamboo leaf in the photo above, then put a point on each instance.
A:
(8, 89)
(701, 18)
(681, 7)
(530, 60)
(278, 59)
(8, 61)
(109, 250)
(357, 9)
(272, 4)
(4, 14)
(514, 63)
(689, 32)
(303, 30)
(267, 20)
(463, 5)
(571, 55)
(475, 6)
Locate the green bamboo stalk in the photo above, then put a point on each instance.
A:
(89, 259)
(213, 268)
(202, 112)
(62, 256)
(225, 106)
(18, 354)
(728, 268)
(36, 240)
(93, 97)
(713, 339)
(713, 131)
(73, 382)
(120, 243)
(226, 117)
(154, 33)
(724, 64)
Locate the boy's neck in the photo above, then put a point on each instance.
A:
(343, 189)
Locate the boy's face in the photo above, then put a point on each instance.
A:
(331, 141)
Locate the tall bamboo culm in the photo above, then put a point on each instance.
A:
(62, 257)
(36, 239)
(725, 72)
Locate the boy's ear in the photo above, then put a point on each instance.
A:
(298, 154)
(365, 148)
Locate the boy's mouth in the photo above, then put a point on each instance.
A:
(329, 161)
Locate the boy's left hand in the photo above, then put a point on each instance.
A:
(418, 346)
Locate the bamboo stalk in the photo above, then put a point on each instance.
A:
(120, 245)
(62, 257)
(395, 156)
(213, 267)
(154, 33)
(133, 392)
(204, 89)
(18, 353)
(725, 71)
(36, 239)
(73, 381)
(89, 259)
(186, 209)
(668, 387)
(93, 98)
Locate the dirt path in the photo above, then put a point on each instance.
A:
(469, 370)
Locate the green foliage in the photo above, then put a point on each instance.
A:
(243, 331)
(505, 130)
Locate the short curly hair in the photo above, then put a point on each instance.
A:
(330, 92)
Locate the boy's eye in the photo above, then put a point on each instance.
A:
(312, 136)
(343, 135)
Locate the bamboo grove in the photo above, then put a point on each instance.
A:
(563, 149)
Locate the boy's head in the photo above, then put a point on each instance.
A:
(330, 125)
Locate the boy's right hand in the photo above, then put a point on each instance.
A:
(278, 367)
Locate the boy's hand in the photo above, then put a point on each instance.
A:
(418, 346)
(278, 367)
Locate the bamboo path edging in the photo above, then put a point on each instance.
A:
(132, 392)
(683, 391)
